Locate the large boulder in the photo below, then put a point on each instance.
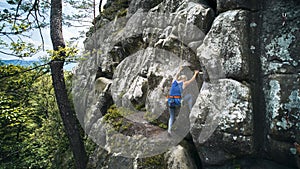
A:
(143, 80)
(180, 157)
(221, 119)
(101, 159)
(223, 110)
(225, 50)
(177, 157)
(280, 67)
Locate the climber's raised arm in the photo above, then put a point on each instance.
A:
(186, 83)
(177, 74)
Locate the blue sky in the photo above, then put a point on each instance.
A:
(35, 38)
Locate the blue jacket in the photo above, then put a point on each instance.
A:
(176, 90)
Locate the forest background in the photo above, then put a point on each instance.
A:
(35, 108)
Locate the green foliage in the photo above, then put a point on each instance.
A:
(18, 114)
(23, 49)
(18, 19)
(48, 146)
(31, 128)
(90, 146)
(62, 53)
(31, 132)
(114, 117)
(140, 107)
(159, 124)
(152, 118)
(154, 162)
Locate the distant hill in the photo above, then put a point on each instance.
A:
(27, 63)
(24, 63)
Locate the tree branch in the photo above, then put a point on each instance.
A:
(6, 53)
(38, 23)
(36, 15)
(12, 33)
(17, 10)
(9, 38)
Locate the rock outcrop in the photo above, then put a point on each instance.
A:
(245, 109)
(280, 69)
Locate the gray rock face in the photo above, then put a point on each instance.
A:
(249, 104)
(226, 5)
(195, 13)
(101, 160)
(179, 157)
(280, 66)
(223, 109)
(230, 60)
(146, 5)
(142, 78)
(222, 118)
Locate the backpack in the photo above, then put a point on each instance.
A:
(175, 90)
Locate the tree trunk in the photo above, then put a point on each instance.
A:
(100, 7)
(68, 117)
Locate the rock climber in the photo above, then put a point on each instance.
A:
(174, 99)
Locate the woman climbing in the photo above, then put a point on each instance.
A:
(174, 98)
